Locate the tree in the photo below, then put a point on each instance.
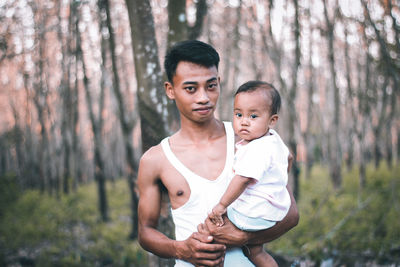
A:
(126, 121)
(40, 96)
(97, 126)
(150, 94)
(334, 146)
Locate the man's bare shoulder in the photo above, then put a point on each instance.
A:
(152, 157)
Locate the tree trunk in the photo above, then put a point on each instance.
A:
(335, 148)
(40, 99)
(96, 128)
(307, 136)
(150, 93)
(224, 102)
(65, 95)
(388, 130)
(350, 104)
(391, 70)
(291, 100)
(150, 90)
(177, 22)
(126, 124)
(253, 47)
(18, 142)
(201, 11)
(77, 161)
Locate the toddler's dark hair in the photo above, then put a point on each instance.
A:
(274, 94)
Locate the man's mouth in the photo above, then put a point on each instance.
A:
(203, 110)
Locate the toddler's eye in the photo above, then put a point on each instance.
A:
(253, 116)
(239, 115)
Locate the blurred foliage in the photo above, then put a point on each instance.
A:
(351, 224)
(42, 230)
(347, 225)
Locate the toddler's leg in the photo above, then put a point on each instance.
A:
(259, 257)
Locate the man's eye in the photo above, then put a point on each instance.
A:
(212, 86)
(253, 116)
(239, 115)
(190, 89)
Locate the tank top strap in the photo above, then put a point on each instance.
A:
(230, 143)
(178, 165)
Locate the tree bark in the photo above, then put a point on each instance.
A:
(201, 11)
(177, 21)
(97, 125)
(150, 91)
(126, 123)
(307, 135)
(40, 97)
(391, 70)
(334, 145)
(65, 95)
(291, 100)
(350, 103)
(224, 102)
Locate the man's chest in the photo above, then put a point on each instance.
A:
(191, 163)
(206, 163)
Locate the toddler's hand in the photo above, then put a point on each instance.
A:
(216, 215)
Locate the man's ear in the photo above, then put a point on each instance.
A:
(272, 121)
(169, 90)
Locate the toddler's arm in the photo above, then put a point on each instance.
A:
(235, 188)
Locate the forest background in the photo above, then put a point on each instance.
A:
(82, 97)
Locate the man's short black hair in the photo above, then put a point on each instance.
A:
(273, 93)
(193, 51)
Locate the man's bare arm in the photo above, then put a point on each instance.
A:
(231, 236)
(149, 210)
(197, 249)
(291, 220)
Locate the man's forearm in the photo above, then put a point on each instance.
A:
(291, 220)
(231, 236)
(157, 243)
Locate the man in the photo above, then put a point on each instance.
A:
(194, 166)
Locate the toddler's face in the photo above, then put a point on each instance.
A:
(251, 115)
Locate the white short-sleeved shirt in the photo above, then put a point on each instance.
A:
(266, 160)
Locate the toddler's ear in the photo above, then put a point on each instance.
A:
(272, 121)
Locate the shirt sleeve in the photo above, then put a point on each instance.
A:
(252, 160)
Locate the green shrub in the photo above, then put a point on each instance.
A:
(346, 222)
(68, 231)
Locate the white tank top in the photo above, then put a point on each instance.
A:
(204, 195)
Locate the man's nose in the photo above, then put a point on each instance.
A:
(202, 96)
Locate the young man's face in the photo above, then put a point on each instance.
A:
(195, 89)
(252, 117)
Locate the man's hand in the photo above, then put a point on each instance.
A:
(199, 250)
(227, 234)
